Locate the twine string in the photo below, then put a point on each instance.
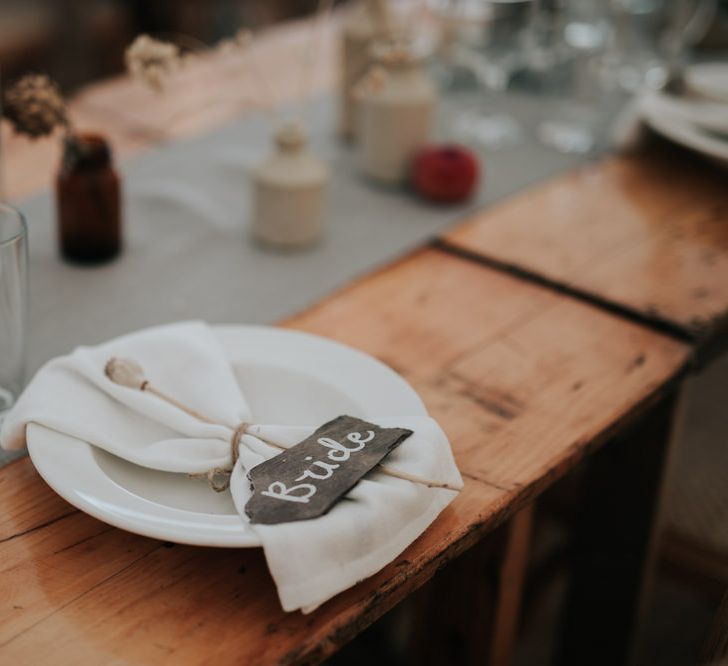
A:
(130, 374)
(235, 441)
(219, 477)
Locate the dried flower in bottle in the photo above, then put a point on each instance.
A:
(395, 52)
(152, 60)
(238, 42)
(35, 106)
(372, 82)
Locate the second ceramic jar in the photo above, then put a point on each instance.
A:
(289, 191)
(395, 115)
(368, 22)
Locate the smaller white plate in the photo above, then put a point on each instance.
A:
(672, 121)
(288, 378)
(709, 79)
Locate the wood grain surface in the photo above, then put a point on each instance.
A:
(524, 381)
(646, 234)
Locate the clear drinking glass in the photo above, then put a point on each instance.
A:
(13, 304)
(497, 49)
(652, 38)
(570, 71)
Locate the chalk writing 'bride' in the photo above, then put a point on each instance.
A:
(319, 470)
(310, 477)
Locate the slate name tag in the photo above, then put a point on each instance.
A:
(305, 481)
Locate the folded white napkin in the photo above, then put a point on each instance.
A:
(310, 560)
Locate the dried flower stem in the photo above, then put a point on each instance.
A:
(148, 388)
(185, 41)
(309, 56)
(414, 478)
(127, 372)
(181, 114)
(152, 60)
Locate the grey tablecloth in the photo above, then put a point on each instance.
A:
(188, 251)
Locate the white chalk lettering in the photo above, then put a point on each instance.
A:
(340, 452)
(319, 470)
(356, 438)
(278, 490)
(328, 471)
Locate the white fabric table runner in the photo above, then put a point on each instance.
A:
(188, 253)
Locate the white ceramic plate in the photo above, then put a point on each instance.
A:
(672, 121)
(287, 376)
(709, 79)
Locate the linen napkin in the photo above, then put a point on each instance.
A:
(310, 560)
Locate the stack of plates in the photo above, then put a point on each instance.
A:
(697, 120)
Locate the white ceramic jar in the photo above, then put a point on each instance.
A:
(289, 192)
(368, 21)
(396, 114)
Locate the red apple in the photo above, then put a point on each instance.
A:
(446, 173)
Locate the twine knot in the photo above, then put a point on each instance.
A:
(219, 477)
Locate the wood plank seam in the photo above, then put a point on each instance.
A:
(652, 320)
(35, 528)
(707, 346)
(86, 539)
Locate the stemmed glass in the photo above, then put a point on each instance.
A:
(492, 38)
(652, 39)
(589, 54)
(570, 40)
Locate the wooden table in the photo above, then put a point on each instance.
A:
(645, 236)
(526, 381)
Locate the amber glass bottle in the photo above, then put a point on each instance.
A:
(88, 201)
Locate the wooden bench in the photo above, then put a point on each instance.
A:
(526, 382)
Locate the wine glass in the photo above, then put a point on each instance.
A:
(569, 70)
(492, 39)
(653, 37)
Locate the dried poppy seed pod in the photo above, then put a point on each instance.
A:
(373, 81)
(34, 106)
(125, 372)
